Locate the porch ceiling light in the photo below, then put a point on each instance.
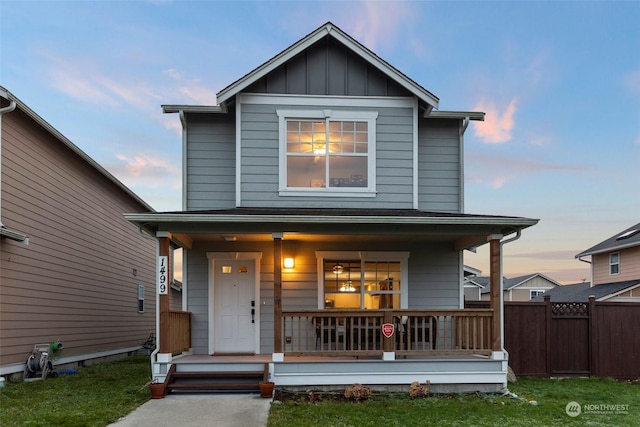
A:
(230, 238)
(338, 268)
(289, 262)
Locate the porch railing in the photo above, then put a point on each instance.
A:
(359, 333)
(180, 322)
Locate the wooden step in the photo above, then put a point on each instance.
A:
(235, 381)
(219, 374)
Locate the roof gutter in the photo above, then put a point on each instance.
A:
(579, 257)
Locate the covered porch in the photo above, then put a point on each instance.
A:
(326, 346)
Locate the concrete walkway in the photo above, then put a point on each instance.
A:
(185, 410)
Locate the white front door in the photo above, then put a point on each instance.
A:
(234, 306)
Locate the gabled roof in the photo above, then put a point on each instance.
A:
(625, 239)
(227, 94)
(514, 282)
(580, 292)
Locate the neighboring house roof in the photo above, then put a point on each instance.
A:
(580, 292)
(625, 239)
(4, 93)
(514, 282)
(329, 29)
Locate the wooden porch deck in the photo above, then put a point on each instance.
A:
(446, 373)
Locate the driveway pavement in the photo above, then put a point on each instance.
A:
(186, 410)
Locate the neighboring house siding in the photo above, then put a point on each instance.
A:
(629, 266)
(78, 278)
(439, 166)
(260, 161)
(211, 160)
(632, 295)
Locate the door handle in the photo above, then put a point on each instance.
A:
(253, 313)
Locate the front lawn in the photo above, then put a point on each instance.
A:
(539, 402)
(96, 396)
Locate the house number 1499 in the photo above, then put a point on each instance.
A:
(162, 276)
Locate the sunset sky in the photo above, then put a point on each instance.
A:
(559, 83)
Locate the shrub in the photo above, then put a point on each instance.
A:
(357, 392)
(417, 390)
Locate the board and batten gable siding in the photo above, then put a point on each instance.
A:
(328, 68)
(439, 166)
(260, 161)
(211, 161)
(629, 266)
(78, 278)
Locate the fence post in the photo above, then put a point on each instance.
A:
(593, 326)
(547, 333)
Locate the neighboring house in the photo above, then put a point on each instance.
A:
(71, 267)
(615, 271)
(472, 289)
(626, 291)
(323, 197)
(521, 288)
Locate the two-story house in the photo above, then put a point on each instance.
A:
(324, 229)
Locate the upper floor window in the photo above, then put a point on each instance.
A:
(614, 263)
(327, 151)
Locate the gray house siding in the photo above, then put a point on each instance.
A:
(439, 166)
(433, 280)
(260, 161)
(211, 161)
(78, 278)
(328, 68)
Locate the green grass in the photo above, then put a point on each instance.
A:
(551, 396)
(96, 396)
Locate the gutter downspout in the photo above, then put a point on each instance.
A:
(7, 109)
(590, 270)
(502, 243)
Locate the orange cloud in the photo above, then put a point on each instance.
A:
(497, 126)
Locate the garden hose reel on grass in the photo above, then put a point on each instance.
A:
(39, 361)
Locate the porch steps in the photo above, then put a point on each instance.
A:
(216, 381)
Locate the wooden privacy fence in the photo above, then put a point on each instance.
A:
(562, 339)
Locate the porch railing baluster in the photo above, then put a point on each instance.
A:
(337, 332)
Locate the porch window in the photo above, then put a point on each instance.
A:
(363, 283)
(614, 263)
(327, 152)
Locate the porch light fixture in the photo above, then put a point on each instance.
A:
(338, 268)
(289, 262)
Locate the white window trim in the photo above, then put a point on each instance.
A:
(368, 116)
(537, 291)
(363, 256)
(140, 298)
(611, 264)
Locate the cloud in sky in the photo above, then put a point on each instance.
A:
(147, 171)
(498, 123)
(496, 171)
(382, 23)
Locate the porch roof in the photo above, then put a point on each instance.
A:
(465, 230)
